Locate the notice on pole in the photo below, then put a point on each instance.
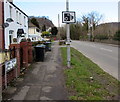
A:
(68, 17)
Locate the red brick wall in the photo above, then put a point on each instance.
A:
(30, 54)
(1, 23)
(24, 46)
(17, 54)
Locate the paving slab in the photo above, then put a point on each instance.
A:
(44, 81)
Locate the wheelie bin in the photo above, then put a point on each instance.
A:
(40, 52)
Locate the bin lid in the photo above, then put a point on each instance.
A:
(40, 45)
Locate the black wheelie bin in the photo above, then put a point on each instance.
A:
(40, 52)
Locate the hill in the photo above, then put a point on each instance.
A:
(107, 28)
(43, 21)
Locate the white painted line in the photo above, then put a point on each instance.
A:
(106, 49)
(92, 45)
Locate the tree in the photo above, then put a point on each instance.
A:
(54, 31)
(117, 36)
(75, 31)
(90, 21)
(43, 28)
(94, 18)
(63, 32)
(85, 22)
(35, 22)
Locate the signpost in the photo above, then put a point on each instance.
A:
(9, 65)
(68, 17)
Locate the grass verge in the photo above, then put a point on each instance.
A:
(87, 81)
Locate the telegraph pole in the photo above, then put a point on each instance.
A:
(59, 27)
(68, 38)
(92, 30)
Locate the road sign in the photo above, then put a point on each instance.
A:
(68, 17)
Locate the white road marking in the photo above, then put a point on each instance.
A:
(106, 49)
(92, 45)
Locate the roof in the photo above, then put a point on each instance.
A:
(18, 8)
(31, 24)
(44, 21)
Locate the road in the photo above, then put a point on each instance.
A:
(105, 55)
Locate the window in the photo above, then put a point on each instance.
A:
(17, 17)
(10, 36)
(10, 11)
(20, 18)
(24, 21)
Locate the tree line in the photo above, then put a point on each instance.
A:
(87, 28)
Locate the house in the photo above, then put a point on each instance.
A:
(15, 23)
(13, 28)
(34, 32)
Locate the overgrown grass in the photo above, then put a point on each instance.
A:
(86, 80)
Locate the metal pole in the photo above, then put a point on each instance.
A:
(59, 27)
(68, 38)
(5, 78)
(92, 30)
(6, 59)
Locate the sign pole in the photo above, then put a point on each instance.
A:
(5, 78)
(59, 26)
(68, 38)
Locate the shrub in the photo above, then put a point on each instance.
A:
(23, 40)
(117, 36)
(61, 42)
(14, 39)
(45, 33)
(101, 37)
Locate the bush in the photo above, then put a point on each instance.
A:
(117, 36)
(61, 42)
(24, 40)
(101, 37)
(85, 37)
(45, 33)
(34, 43)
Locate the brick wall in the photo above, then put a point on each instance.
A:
(1, 23)
(1, 43)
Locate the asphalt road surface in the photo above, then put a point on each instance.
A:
(105, 55)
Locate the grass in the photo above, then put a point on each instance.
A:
(86, 80)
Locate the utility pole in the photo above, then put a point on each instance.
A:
(59, 27)
(68, 38)
(92, 30)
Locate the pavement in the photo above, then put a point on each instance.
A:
(43, 81)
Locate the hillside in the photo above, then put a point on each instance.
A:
(107, 28)
(43, 21)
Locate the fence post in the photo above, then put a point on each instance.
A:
(30, 54)
(24, 46)
(16, 48)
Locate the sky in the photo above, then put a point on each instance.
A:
(51, 8)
